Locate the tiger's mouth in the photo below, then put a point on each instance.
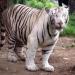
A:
(57, 27)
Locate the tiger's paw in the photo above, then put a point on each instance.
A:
(12, 57)
(21, 53)
(48, 68)
(32, 67)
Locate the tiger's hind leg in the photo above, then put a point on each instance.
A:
(11, 46)
(21, 52)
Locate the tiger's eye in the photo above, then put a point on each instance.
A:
(66, 20)
(64, 15)
(56, 15)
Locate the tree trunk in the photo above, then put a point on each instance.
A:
(72, 5)
(3, 5)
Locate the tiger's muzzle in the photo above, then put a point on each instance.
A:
(59, 26)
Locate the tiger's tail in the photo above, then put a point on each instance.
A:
(2, 33)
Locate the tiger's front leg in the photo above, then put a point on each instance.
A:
(46, 54)
(32, 46)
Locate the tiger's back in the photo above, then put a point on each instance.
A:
(21, 20)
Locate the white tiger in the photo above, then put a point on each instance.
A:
(34, 28)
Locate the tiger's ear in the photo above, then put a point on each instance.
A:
(51, 11)
(66, 7)
(47, 10)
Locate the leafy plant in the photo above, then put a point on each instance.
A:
(40, 3)
(36, 3)
(70, 29)
(18, 1)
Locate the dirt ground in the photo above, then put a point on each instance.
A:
(63, 59)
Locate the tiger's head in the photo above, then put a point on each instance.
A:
(58, 17)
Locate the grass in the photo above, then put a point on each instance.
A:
(70, 29)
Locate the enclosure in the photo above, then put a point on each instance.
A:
(63, 57)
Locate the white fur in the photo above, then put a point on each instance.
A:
(32, 45)
(39, 30)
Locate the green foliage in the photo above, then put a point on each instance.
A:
(18, 1)
(40, 3)
(70, 29)
(36, 3)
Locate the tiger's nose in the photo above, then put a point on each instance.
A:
(60, 23)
